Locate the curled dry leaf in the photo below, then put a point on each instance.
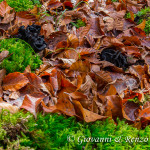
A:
(85, 114)
(56, 37)
(83, 31)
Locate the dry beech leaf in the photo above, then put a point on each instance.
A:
(81, 66)
(54, 4)
(113, 106)
(83, 31)
(27, 69)
(7, 106)
(85, 114)
(142, 25)
(130, 110)
(3, 55)
(2, 75)
(86, 51)
(66, 87)
(34, 80)
(62, 106)
(25, 18)
(145, 113)
(73, 41)
(47, 29)
(14, 81)
(88, 86)
(31, 103)
(4, 8)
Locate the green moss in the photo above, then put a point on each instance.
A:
(22, 56)
(53, 131)
(128, 15)
(142, 14)
(79, 23)
(22, 5)
(145, 14)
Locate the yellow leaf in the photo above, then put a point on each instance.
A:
(142, 25)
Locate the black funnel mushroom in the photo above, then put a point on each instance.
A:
(115, 57)
(31, 36)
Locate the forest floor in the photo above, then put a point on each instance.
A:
(86, 61)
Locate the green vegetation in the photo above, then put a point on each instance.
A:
(115, 0)
(135, 100)
(79, 23)
(22, 56)
(128, 15)
(53, 131)
(143, 14)
(22, 5)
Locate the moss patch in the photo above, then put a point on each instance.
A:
(52, 131)
(22, 5)
(22, 56)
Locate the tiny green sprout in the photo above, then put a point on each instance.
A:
(79, 23)
(136, 100)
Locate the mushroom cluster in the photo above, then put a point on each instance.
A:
(31, 36)
(115, 57)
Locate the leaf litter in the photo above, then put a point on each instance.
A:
(95, 64)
